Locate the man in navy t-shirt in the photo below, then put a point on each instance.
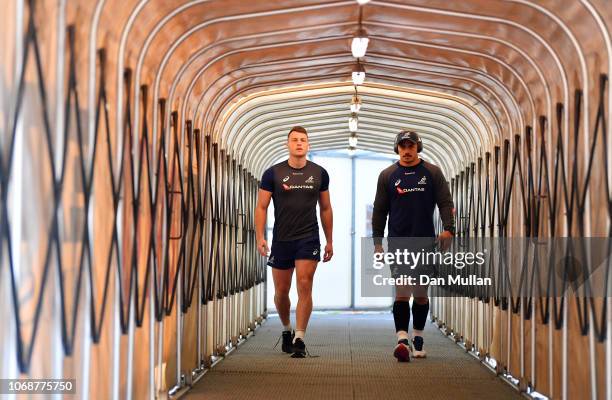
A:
(408, 192)
(295, 186)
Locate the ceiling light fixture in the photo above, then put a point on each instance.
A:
(358, 74)
(353, 140)
(353, 123)
(355, 102)
(359, 45)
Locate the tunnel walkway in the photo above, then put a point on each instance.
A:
(134, 135)
(355, 362)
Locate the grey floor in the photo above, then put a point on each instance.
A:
(355, 362)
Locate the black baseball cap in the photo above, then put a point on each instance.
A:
(408, 135)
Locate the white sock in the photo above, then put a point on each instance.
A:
(287, 327)
(401, 335)
(299, 334)
(417, 333)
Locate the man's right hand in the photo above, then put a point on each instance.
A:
(262, 247)
(378, 248)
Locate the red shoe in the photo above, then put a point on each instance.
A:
(402, 351)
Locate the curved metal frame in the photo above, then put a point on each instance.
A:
(231, 83)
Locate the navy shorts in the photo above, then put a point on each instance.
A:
(284, 254)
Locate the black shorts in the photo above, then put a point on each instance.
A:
(403, 270)
(416, 245)
(284, 254)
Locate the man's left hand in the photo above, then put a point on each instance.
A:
(329, 252)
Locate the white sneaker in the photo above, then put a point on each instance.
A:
(417, 344)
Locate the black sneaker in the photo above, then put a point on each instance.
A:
(418, 342)
(402, 351)
(299, 349)
(287, 345)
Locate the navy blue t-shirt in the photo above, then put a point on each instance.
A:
(295, 193)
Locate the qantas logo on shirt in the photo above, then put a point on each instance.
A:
(292, 187)
(404, 191)
(285, 179)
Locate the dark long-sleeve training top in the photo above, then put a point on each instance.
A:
(408, 195)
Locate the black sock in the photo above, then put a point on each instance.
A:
(401, 315)
(419, 315)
